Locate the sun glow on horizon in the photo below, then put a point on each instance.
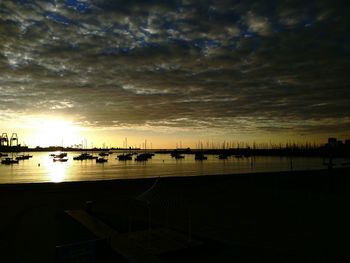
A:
(63, 130)
(55, 132)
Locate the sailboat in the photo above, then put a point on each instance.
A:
(8, 161)
(101, 160)
(125, 156)
(144, 156)
(200, 155)
(60, 157)
(24, 157)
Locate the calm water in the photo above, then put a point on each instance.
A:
(28, 171)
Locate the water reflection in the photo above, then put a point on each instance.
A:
(56, 171)
(159, 165)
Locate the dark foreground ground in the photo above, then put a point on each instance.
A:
(269, 217)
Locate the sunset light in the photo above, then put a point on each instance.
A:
(55, 132)
(174, 131)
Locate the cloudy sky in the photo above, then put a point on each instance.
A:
(176, 70)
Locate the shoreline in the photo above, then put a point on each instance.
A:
(163, 177)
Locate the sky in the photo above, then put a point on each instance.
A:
(174, 72)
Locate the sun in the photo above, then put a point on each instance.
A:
(56, 132)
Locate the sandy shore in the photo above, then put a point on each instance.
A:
(285, 216)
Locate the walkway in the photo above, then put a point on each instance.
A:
(119, 243)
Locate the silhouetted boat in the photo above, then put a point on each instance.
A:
(8, 160)
(58, 159)
(124, 157)
(200, 156)
(149, 155)
(103, 154)
(223, 156)
(59, 155)
(174, 153)
(3, 154)
(84, 156)
(101, 160)
(142, 157)
(24, 157)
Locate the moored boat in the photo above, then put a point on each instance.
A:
(8, 161)
(223, 156)
(200, 156)
(84, 156)
(142, 157)
(101, 160)
(58, 159)
(58, 154)
(124, 157)
(24, 157)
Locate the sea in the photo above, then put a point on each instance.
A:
(41, 167)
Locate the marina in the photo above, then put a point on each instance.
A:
(65, 167)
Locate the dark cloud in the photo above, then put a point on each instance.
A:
(251, 65)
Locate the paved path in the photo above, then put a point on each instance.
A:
(123, 246)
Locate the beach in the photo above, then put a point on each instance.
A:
(282, 216)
